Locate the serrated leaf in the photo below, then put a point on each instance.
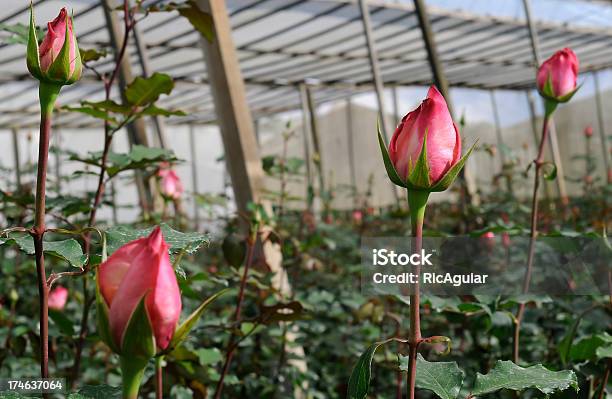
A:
(507, 375)
(88, 55)
(186, 326)
(100, 392)
(153, 110)
(189, 242)
(68, 250)
(96, 113)
(200, 20)
(359, 381)
(145, 91)
(442, 378)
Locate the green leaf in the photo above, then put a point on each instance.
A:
(507, 375)
(189, 242)
(153, 110)
(145, 91)
(139, 157)
(20, 33)
(186, 326)
(588, 348)
(551, 173)
(442, 378)
(391, 172)
(200, 20)
(68, 250)
(63, 323)
(89, 55)
(604, 352)
(100, 392)
(138, 339)
(359, 381)
(208, 356)
(96, 113)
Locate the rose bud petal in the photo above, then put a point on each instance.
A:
(557, 76)
(170, 184)
(588, 131)
(443, 141)
(141, 268)
(57, 298)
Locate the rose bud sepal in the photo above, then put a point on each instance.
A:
(418, 177)
(138, 344)
(550, 101)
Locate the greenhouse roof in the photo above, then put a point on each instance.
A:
(283, 43)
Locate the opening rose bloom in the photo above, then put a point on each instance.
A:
(557, 76)
(139, 271)
(57, 59)
(170, 183)
(430, 126)
(57, 298)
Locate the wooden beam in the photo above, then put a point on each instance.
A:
(16, 157)
(233, 114)
(194, 177)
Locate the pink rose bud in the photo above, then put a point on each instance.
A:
(171, 185)
(141, 269)
(57, 298)
(588, 131)
(357, 216)
(506, 240)
(488, 240)
(57, 60)
(557, 76)
(443, 141)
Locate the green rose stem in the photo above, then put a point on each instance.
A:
(159, 378)
(232, 345)
(132, 370)
(48, 95)
(539, 162)
(417, 201)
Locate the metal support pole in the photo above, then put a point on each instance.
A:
(194, 176)
(351, 146)
(432, 52)
(314, 130)
(442, 83)
(500, 140)
(374, 68)
(143, 57)
(554, 145)
(137, 133)
(536, 136)
(305, 135)
(396, 112)
(602, 130)
(16, 157)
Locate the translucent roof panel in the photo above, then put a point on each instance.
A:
(282, 43)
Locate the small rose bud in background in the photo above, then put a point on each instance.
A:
(588, 180)
(170, 184)
(140, 271)
(488, 239)
(57, 60)
(57, 298)
(506, 240)
(557, 76)
(443, 142)
(357, 216)
(588, 131)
